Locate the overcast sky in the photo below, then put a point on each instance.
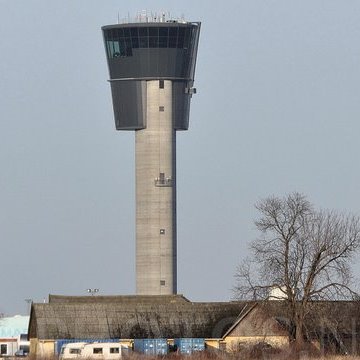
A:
(277, 110)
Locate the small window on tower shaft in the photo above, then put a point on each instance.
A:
(161, 108)
(162, 282)
(161, 84)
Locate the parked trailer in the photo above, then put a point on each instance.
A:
(61, 342)
(189, 345)
(151, 346)
(71, 350)
(97, 350)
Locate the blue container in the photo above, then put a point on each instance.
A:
(189, 345)
(151, 346)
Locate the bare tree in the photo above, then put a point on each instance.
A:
(303, 253)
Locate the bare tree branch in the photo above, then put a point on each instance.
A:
(303, 253)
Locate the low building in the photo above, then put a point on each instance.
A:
(255, 325)
(126, 317)
(330, 326)
(224, 325)
(12, 332)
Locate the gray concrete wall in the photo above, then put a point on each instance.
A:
(155, 152)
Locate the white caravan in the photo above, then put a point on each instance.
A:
(97, 350)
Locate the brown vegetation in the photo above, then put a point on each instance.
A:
(254, 353)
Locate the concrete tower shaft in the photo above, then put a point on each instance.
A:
(155, 149)
(152, 67)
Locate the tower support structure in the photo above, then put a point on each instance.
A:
(155, 153)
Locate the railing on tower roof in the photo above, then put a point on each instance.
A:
(150, 17)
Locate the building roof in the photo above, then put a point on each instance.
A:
(128, 299)
(339, 318)
(130, 317)
(13, 326)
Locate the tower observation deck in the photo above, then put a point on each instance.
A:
(152, 66)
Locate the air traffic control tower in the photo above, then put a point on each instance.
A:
(152, 65)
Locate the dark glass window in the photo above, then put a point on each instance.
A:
(135, 42)
(115, 49)
(173, 32)
(181, 35)
(161, 84)
(153, 31)
(3, 349)
(119, 33)
(122, 46)
(144, 42)
(109, 35)
(109, 48)
(134, 32)
(187, 38)
(134, 37)
(163, 31)
(180, 43)
(153, 37)
(143, 31)
(127, 40)
(127, 32)
(114, 350)
(163, 41)
(74, 351)
(128, 50)
(153, 41)
(97, 350)
(120, 42)
(163, 37)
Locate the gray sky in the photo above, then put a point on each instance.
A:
(277, 110)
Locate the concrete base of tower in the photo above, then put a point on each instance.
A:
(155, 149)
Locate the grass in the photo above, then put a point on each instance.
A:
(284, 354)
(238, 356)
